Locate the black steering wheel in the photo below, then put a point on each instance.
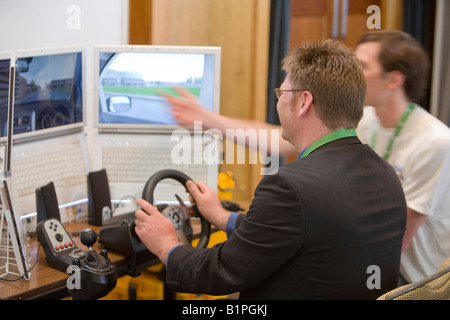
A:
(179, 214)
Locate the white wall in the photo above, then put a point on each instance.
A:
(29, 24)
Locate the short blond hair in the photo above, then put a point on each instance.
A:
(334, 76)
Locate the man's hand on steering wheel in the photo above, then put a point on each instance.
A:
(156, 231)
(161, 231)
(208, 203)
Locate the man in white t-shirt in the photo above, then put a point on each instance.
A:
(415, 143)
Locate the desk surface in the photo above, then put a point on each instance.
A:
(45, 279)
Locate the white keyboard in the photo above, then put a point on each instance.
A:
(139, 164)
(64, 168)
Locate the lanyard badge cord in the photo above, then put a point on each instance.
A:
(397, 130)
(335, 135)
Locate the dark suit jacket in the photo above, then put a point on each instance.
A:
(327, 226)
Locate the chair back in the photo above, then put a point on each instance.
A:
(434, 287)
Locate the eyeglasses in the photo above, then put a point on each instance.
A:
(279, 92)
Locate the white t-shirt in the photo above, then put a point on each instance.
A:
(421, 157)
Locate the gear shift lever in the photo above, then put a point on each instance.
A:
(97, 274)
(88, 237)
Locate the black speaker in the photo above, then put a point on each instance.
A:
(47, 202)
(99, 205)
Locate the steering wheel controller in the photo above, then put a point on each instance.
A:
(119, 233)
(180, 215)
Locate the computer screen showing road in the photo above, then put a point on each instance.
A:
(48, 92)
(132, 84)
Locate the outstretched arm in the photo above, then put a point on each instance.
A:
(187, 110)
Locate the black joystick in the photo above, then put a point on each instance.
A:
(88, 237)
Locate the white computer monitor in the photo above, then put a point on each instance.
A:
(129, 81)
(49, 91)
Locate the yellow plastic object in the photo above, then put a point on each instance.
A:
(149, 285)
(226, 185)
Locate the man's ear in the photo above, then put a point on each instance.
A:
(306, 101)
(396, 79)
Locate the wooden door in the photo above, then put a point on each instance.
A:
(313, 20)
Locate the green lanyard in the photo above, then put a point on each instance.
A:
(397, 130)
(335, 135)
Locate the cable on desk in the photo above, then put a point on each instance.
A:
(20, 277)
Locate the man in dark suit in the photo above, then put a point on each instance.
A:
(326, 226)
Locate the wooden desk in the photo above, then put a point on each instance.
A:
(48, 283)
(44, 280)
